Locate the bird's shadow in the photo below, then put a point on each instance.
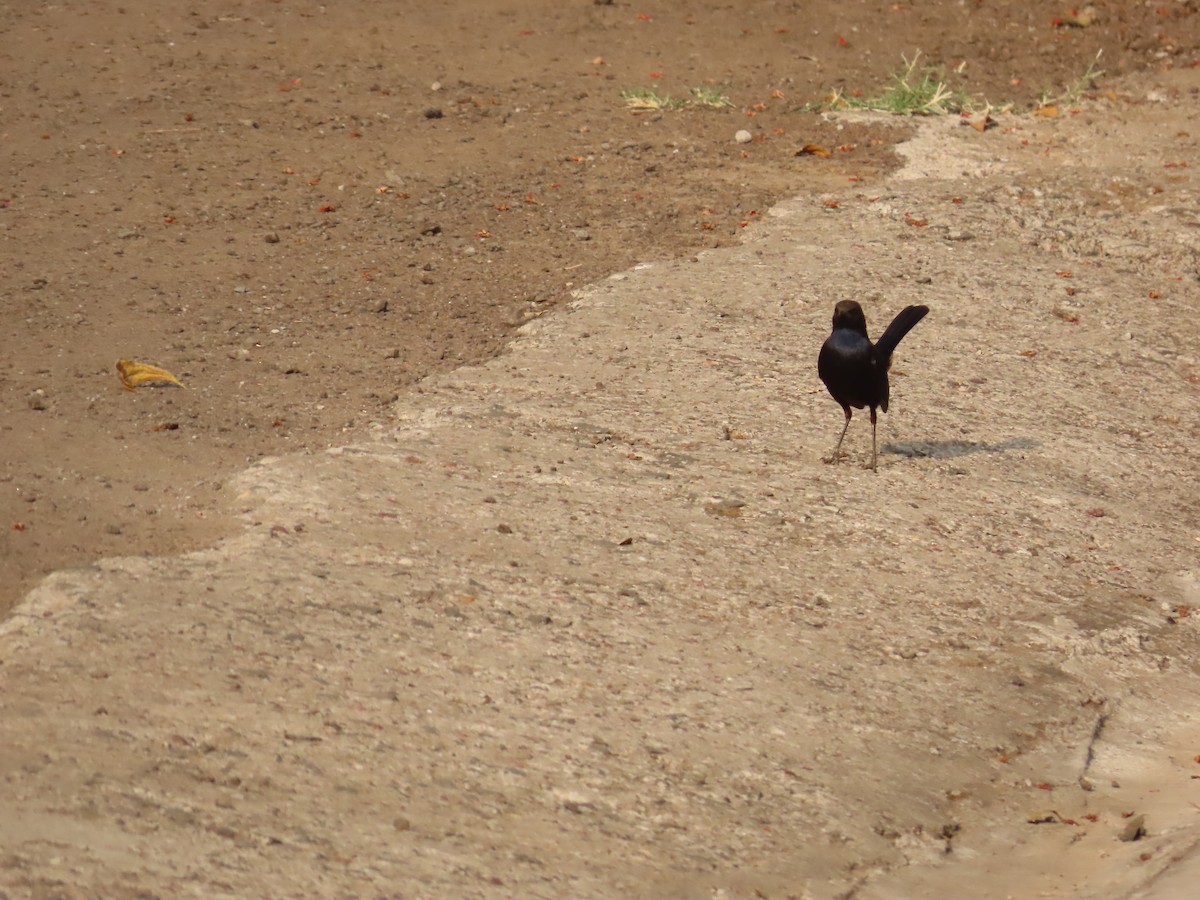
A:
(952, 449)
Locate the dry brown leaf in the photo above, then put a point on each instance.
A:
(135, 374)
(983, 124)
(1044, 817)
(1048, 112)
(813, 150)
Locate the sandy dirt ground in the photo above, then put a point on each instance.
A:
(573, 606)
(273, 201)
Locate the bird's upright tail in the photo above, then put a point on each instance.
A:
(904, 322)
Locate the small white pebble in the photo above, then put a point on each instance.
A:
(743, 137)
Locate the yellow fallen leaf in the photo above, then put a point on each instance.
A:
(1046, 111)
(813, 150)
(135, 374)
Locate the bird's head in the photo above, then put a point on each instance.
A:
(849, 315)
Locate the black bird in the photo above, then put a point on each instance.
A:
(854, 369)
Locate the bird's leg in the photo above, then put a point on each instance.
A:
(874, 455)
(837, 451)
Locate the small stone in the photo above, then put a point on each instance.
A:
(381, 306)
(731, 509)
(37, 400)
(433, 113)
(1134, 830)
(743, 137)
(271, 238)
(180, 816)
(582, 234)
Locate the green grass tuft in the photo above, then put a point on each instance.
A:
(643, 99)
(914, 92)
(1075, 90)
(710, 97)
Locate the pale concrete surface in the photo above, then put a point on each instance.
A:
(1179, 882)
(595, 620)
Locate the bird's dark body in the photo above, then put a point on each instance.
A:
(856, 371)
(851, 370)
